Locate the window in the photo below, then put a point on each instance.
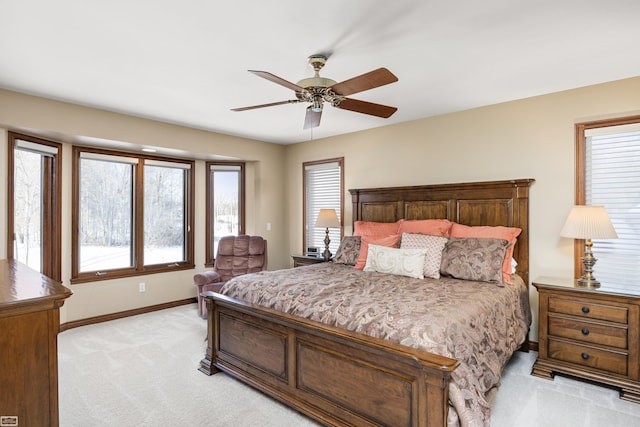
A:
(608, 174)
(164, 212)
(322, 182)
(34, 217)
(225, 204)
(132, 214)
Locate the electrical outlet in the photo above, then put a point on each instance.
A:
(142, 287)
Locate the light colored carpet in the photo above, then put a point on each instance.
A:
(142, 371)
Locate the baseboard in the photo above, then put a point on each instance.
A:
(533, 345)
(113, 316)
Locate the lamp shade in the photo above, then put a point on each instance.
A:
(588, 222)
(327, 218)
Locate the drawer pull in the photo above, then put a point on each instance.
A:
(585, 356)
(585, 331)
(585, 310)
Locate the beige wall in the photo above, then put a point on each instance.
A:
(68, 123)
(529, 138)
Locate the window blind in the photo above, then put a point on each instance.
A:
(34, 147)
(165, 164)
(612, 172)
(108, 158)
(218, 167)
(322, 191)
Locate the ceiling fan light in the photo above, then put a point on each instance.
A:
(317, 104)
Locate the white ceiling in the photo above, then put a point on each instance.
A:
(186, 61)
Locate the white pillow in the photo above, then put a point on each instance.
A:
(403, 262)
(432, 244)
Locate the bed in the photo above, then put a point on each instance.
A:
(339, 372)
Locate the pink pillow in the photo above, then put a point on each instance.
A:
(371, 228)
(498, 232)
(390, 241)
(432, 227)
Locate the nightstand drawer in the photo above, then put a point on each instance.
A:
(601, 359)
(589, 332)
(589, 310)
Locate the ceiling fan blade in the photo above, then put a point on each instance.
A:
(366, 81)
(275, 79)
(365, 107)
(253, 107)
(312, 118)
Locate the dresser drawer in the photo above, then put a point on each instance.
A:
(604, 360)
(588, 332)
(589, 310)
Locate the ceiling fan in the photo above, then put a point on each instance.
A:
(318, 90)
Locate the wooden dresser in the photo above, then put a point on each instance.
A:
(29, 324)
(592, 334)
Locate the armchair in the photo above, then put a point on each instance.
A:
(237, 255)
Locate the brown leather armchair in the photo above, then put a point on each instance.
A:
(237, 255)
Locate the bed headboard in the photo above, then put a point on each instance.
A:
(475, 203)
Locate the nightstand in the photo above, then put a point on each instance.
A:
(593, 334)
(300, 260)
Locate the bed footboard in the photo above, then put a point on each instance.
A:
(334, 376)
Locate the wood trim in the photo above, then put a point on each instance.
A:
(580, 152)
(10, 197)
(51, 239)
(127, 313)
(340, 161)
(75, 206)
(138, 268)
(578, 244)
(209, 256)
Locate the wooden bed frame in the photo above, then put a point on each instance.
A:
(342, 378)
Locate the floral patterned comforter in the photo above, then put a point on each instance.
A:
(480, 324)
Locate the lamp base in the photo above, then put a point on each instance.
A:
(327, 253)
(587, 282)
(588, 260)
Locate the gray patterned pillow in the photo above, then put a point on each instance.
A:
(478, 259)
(348, 251)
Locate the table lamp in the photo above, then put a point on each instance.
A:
(327, 218)
(588, 222)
